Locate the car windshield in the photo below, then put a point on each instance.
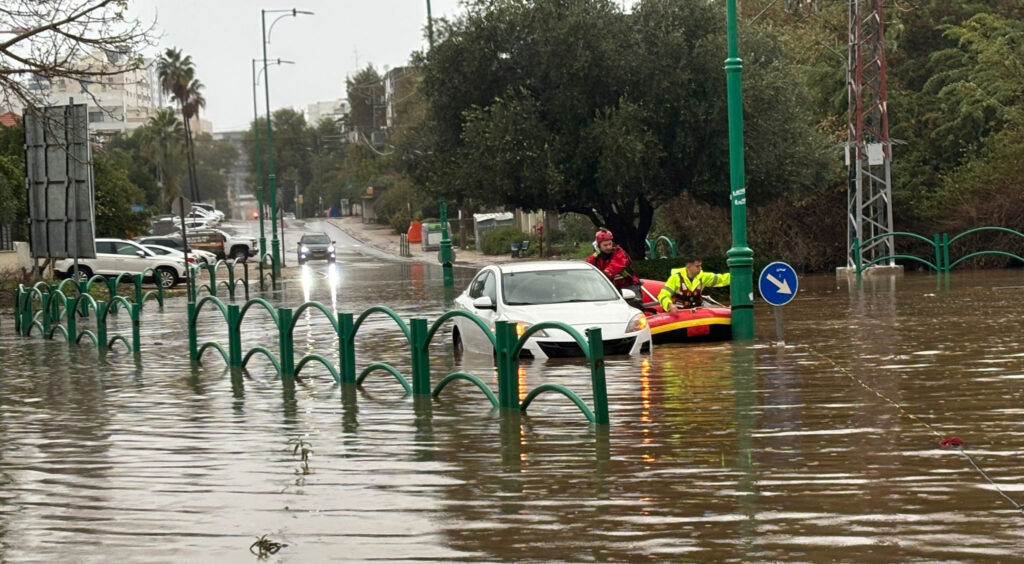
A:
(556, 287)
(316, 240)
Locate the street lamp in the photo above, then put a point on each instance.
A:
(740, 256)
(256, 146)
(275, 243)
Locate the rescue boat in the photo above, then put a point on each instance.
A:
(710, 322)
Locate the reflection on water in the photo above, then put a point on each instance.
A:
(823, 449)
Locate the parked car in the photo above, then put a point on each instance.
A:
(222, 243)
(175, 242)
(194, 256)
(574, 293)
(315, 246)
(209, 208)
(117, 256)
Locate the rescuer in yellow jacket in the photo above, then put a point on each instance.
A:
(683, 288)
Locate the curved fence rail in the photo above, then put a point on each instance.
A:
(940, 245)
(654, 245)
(47, 308)
(419, 334)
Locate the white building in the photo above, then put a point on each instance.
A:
(116, 102)
(332, 109)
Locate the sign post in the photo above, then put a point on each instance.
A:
(778, 285)
(179, 207)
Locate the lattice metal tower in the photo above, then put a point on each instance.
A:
(869, 149)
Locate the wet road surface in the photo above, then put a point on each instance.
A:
(825, 449)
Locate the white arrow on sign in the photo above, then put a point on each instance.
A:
(782, 286)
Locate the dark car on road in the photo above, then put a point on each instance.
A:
(315, 246)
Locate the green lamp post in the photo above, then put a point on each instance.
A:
(256, 148)
(740, 256)
(275, 243)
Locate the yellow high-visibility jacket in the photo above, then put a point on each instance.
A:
(687, 292)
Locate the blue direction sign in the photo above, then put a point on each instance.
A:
(778, 283)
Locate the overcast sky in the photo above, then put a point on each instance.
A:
(223, 36)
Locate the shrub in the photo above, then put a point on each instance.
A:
(499, 241)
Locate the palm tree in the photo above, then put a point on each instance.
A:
(160, 143)
(177, 78)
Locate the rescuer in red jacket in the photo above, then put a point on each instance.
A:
(616, 265)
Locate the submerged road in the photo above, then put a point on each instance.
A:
(826, 449)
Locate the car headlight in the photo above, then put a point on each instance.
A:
(521, 328)
(330, 249)
(638, 323)
(304, 249)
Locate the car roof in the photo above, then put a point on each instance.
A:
(542, 265)
(313, 234)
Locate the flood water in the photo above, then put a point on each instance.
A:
(824, 449)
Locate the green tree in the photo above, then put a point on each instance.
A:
(365, 101)
(160, 144)
(574, 106)
(115, 195)
(177, 75)
(214, 159)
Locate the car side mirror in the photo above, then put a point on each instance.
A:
(628, 294)
(142, 254)
(484, 302)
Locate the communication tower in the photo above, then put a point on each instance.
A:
(869, 149)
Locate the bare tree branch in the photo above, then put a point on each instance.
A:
(70, 39)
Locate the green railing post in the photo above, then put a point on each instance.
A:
(508, 376)
(856, 256)
(937, 243)
(136, 329)
(193, 347)
(26, 313)
(246, 266)
(284, 319)
(112, 288)
(346, 349)
(212, 270)
(446, 248)
(234, 337)
(597, 380)
(137, 280)
(945, 252)
(420, 358)
(46, 315)
(71, 311)
(101, 327)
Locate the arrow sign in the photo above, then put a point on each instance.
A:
(781, 286)
(778, 283)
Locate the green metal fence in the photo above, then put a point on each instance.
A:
(418, 334)
(50, 310)
(940, 245)
(654, 245)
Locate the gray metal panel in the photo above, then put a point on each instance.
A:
(60, 189)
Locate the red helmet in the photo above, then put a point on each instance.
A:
(603, 235)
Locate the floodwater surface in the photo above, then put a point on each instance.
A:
(826, 448)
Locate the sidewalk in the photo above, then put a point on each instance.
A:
(384, 239)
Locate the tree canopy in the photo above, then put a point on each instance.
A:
(575, 106)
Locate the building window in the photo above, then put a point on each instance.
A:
(6, 239)
(95, 117)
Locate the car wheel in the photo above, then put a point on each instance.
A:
(240, 253)
(83, 275)
(457, 345)
(166, 277)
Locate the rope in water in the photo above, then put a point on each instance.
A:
(948, 443)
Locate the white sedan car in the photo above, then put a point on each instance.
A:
(194, 255)
(117, 256)
(527, 293)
